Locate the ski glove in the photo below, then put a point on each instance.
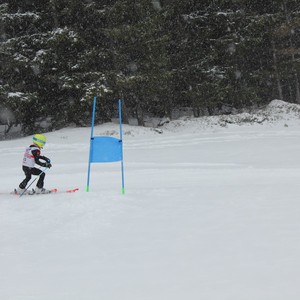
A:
(48, 165)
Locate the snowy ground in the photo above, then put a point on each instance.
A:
(211, 211)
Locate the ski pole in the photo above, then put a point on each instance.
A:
(33, 182)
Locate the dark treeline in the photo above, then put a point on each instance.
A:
(158, 55)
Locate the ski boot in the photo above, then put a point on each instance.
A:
(42, 191)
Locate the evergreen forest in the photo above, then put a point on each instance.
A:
(159, 56)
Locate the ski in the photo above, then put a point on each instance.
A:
(72, 190)
(52, 191)
(56, 191)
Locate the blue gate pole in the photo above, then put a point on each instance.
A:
(91, 145)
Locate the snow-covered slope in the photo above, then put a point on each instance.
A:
(211, 211)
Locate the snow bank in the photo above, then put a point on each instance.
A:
(277, 112)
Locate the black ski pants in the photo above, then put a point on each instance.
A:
(32, 171)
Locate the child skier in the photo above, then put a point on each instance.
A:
(31, 157)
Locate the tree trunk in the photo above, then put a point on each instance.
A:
(125, 118)
(55, 19)
(296, 80)
(140, 114)
(294, 71)
(279, 87)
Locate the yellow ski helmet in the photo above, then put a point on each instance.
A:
(39, 140)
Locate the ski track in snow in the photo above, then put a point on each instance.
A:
(209, 213)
